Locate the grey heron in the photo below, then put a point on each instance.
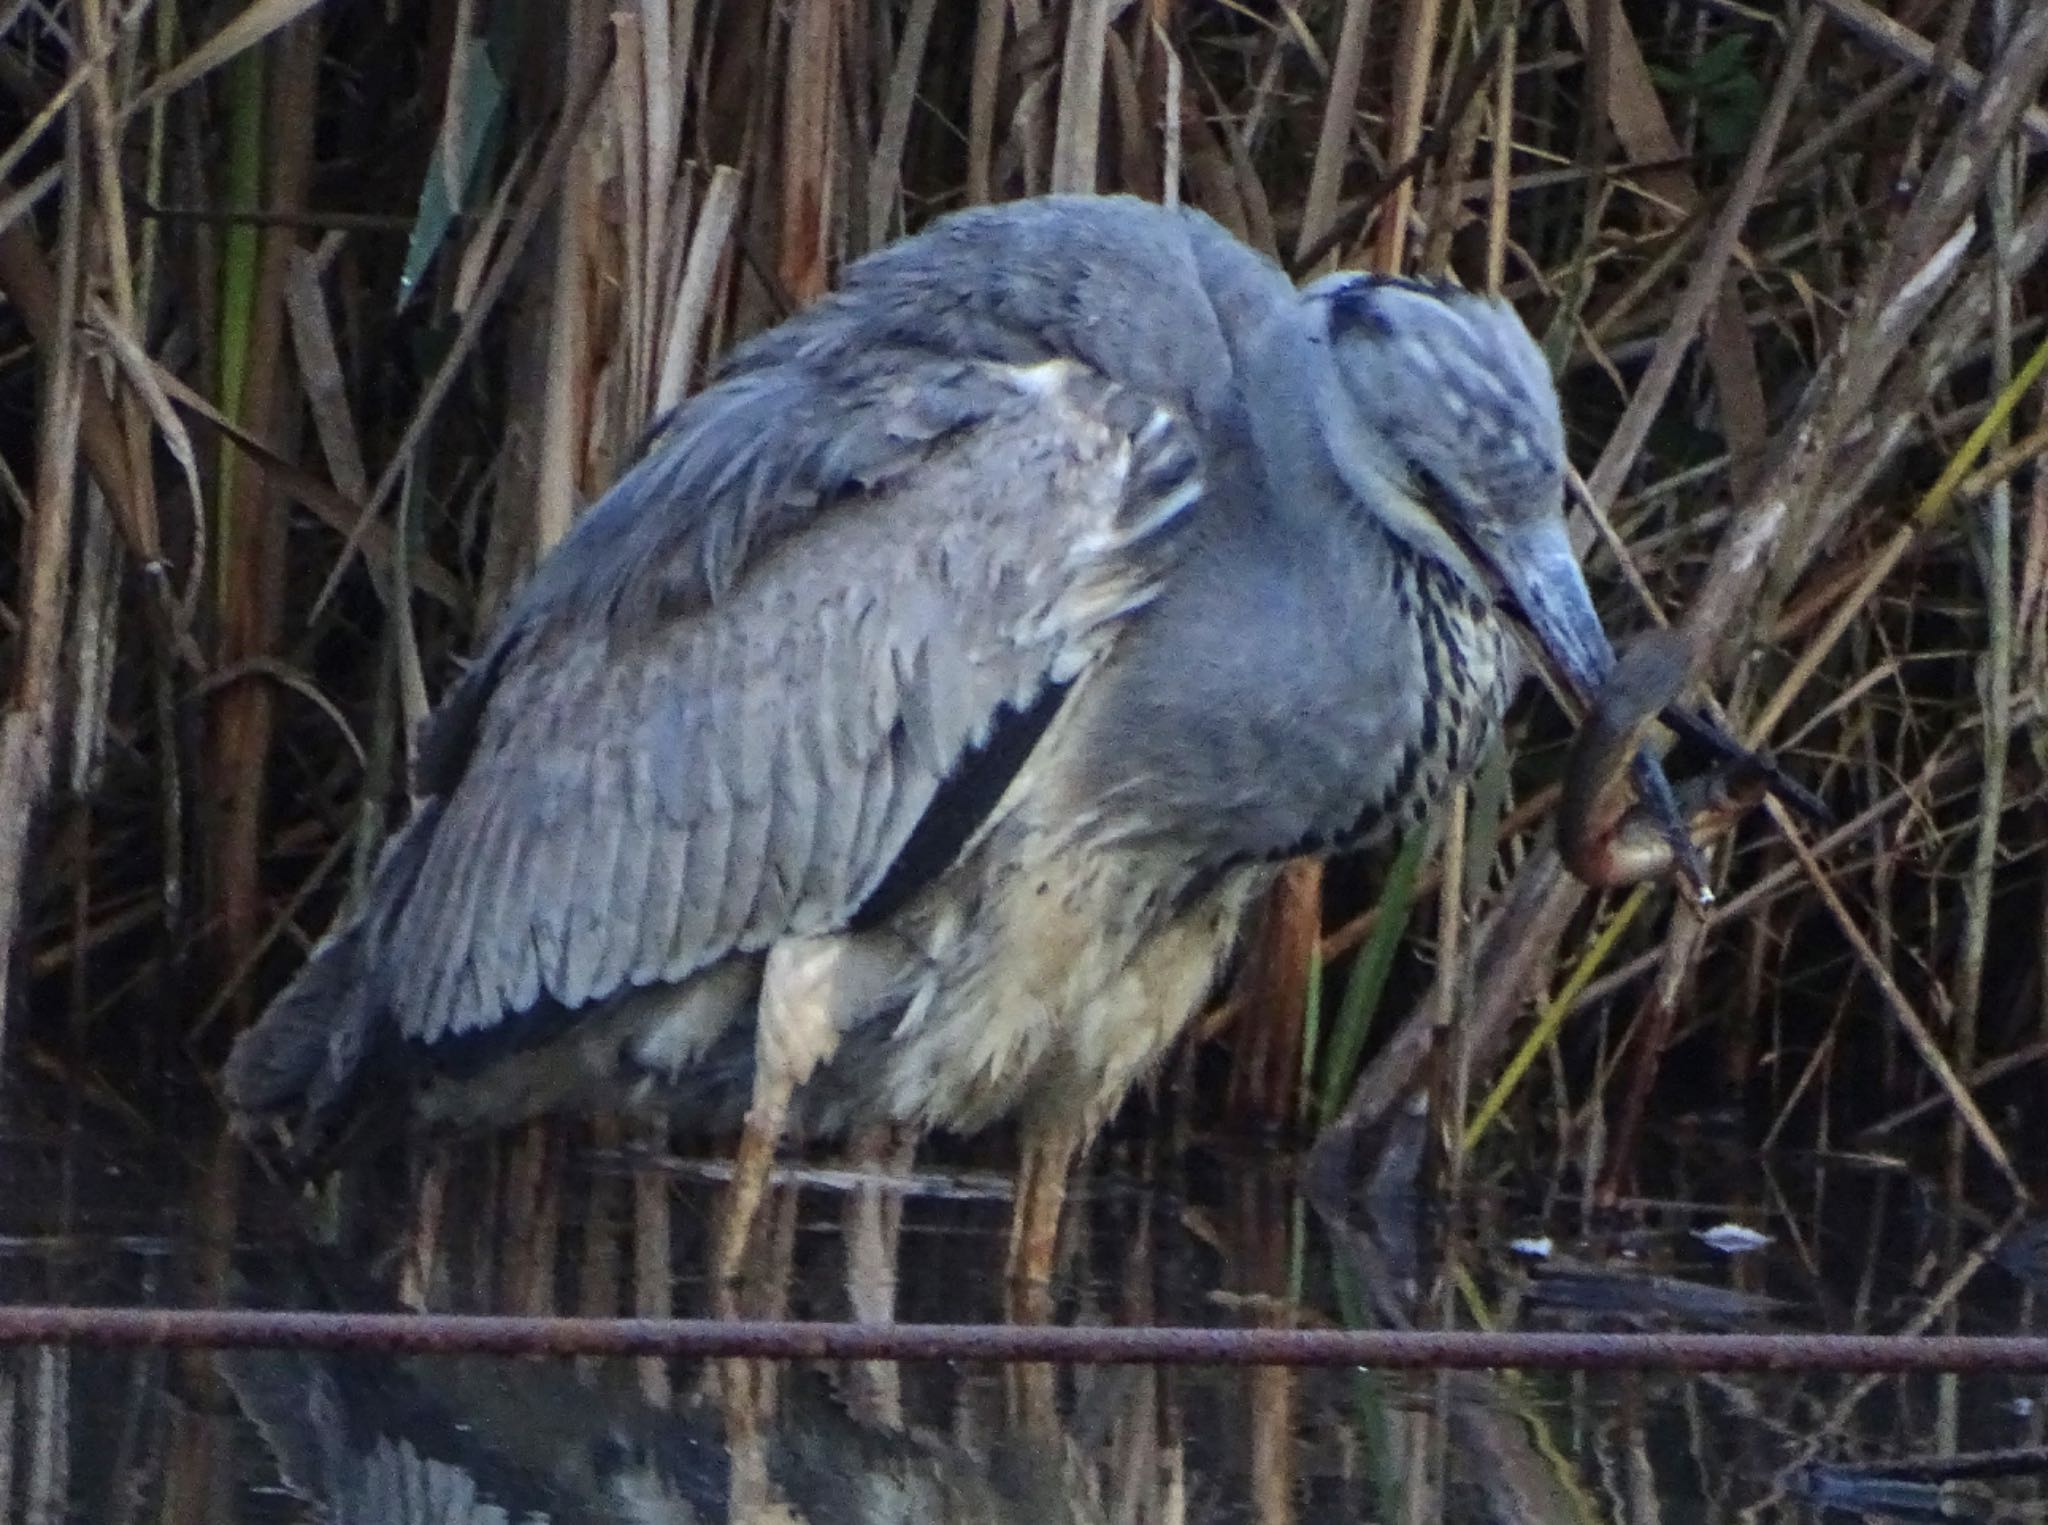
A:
(904, 736)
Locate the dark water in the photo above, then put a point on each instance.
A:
(95, 1210)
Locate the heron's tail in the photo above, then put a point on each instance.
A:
(304, 1064)
(301, 1056)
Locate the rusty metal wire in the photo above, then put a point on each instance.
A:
(475, 1334)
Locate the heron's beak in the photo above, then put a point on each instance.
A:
(1542, 577)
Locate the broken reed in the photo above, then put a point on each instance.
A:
(322, 326)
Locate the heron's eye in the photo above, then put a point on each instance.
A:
(1431, 492)
(1445, 508)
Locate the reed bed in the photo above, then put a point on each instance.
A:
(323, 322)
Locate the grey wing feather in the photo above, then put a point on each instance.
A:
(796, 716)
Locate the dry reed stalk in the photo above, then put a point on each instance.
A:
(1645, 134)
(1452, 1077)
(1077, 129)
(348, 517)
(708, 246)
(1270, 996)
(1705, 283)
(568, 386)
(26, 724)
(991, 21)
(885, 176)
(121, 275)
(1910, 48)
(251, 552)
(30, 283)
(730, 157)
(1340, 113)
(809, 149)
(1418, 32)
(1866, 350)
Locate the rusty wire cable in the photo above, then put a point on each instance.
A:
(503, 1335)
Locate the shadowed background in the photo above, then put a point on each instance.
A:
(323, 321)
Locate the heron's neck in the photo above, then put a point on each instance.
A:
(1285, 376)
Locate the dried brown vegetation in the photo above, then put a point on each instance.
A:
(323, 322)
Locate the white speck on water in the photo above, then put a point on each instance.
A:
(1732, 1238)
(1538, 1248)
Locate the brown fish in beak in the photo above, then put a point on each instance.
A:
(1608, 842)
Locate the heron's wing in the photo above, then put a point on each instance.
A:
(788, 713)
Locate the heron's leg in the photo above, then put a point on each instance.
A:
(802, 991)
(744, 1388)
(880, 1155)
(421, 1266)
(1030, 1389)
(749, 1184)
(872, 1224)
(1049, 1150)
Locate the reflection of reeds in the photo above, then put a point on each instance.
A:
(1858, 1246)
(1803, 395)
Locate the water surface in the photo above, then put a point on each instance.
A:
(96, 1209)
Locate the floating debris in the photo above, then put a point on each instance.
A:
(1950, 1487)
(1731, 1238)
(1893, 1497)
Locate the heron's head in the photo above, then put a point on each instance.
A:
(1445, 425)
